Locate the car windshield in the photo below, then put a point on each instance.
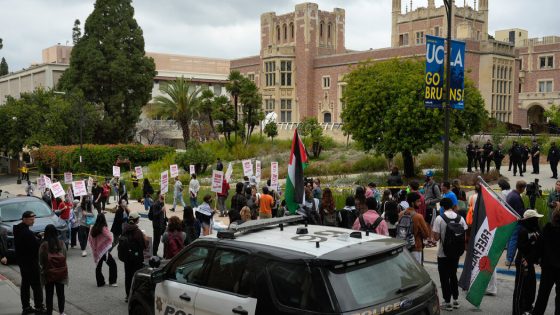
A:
(12, 211)
(375, 280)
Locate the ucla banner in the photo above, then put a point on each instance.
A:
(457, 84)
(435, 56)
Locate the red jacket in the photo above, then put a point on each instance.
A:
(225, 189)
(66, 207)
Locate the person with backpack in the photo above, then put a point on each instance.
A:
(449, 231)
(174, 238)
(448, 193)
(159, 221)
(101, 243)
(121, 216)
(369, 220)
(54, 270)
(327, 209)
(528, 254)
(191, 226)
(222, 197)
(27, 254)
(412, 228)
(132, 244)
(348, 214)
(390, 212)
(432, 195)
(415, 187)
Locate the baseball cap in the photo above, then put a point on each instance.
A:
(133, 216)
(28, 214)
(530, 213)
(430, 173)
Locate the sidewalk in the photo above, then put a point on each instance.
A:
(9, 297)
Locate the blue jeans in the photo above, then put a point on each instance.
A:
(512, 244)
(194, 202)
(178, 198)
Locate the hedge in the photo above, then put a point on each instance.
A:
(96, 158)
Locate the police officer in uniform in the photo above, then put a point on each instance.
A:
(477, 156)
(526, 153)
(516, 157)
(471, 154)
(487, 151)
(553, 158)
(535, 156)
(498, 157)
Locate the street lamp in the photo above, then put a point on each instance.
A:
(449, 11)
(81, 120)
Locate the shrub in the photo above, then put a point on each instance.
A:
(197, 156)
(370, 163)
(96, 158)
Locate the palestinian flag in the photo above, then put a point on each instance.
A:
(295, 193)
(493, 224)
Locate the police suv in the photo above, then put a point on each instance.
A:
(279, 266)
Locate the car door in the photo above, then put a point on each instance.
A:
(178, 292)
(228, 287)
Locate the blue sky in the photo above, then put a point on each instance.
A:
(230, 28)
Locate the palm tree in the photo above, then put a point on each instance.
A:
(234, 88)
(179, 102)
(207, 108)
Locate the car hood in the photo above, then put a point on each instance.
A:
(39, 225)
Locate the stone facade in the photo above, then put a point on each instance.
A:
(319, 62)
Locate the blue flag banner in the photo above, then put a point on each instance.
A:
(435, 56)
(457, 60)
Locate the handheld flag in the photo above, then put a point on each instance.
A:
(493, 223)
(295, 193)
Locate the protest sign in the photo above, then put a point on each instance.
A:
(164, 180)
(258, 170)
(217, 181)
(139, 173)
(192, 169)
(79, 188)
(48, 182)
(229, 171)
(274, 175)
(68, 178)
(174, 170)
(57, 190)
(247, 168)
(116, 171)
(41, 183)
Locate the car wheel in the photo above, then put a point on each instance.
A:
(138, 309)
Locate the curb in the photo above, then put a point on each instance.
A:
(503, 271)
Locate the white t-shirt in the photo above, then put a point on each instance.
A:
(440, 226)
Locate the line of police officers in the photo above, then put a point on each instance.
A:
(518, 156)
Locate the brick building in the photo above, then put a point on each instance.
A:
(303, 59)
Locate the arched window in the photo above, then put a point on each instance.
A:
(327, 118)
(329, 27)
(278, 33)
(285, 29)
(321, 25)
(292, 31)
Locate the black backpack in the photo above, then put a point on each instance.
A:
(369, 227)
(126, 250)
(454, 240)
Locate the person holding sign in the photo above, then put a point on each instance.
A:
(177, 194)
(194, 187)
(222, 197)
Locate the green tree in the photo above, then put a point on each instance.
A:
(4, 67)
(206, 104)
(553, 115)
(271, 130)
(224, 113)
(234, 89)
(385, 110)
(251, 99)
(76, 32)
(108, 65)
(180, 102)
(311, 129)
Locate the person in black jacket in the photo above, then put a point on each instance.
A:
(487, 152)
(121, 216)
(394, 180)
(137, 244)
(527, 255)
(535, 156)
(550, 265)
(471, 154)
(159, 221)
(3, 246)
(27, 255)
(525, 156)
(517, 158)
(238, 201)
(553, 158)
(498, 157)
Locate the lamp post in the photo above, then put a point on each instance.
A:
(81, 119)
(449, 11)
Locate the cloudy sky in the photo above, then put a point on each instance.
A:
(230, 28)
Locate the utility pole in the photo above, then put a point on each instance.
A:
(449, 10)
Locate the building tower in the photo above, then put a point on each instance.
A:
(483, 8)
(394, 19)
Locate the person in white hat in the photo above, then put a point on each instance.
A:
(528, 241)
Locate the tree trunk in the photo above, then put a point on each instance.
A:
(186, 133)
(214, 133)
(408, 162)
(235, 116)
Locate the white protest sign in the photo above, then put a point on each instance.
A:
(217, 181)
(69, 194)
(164, 180)
(41, 183)
(57, 190)
(79, 188)
(247, 168)
(174, 170)
(116, 171)
(274, 175)
(89, 184)
(68, 178)
(192, 169)
(139, 173)
(229, 171)
(48, 182)
(258, 169)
